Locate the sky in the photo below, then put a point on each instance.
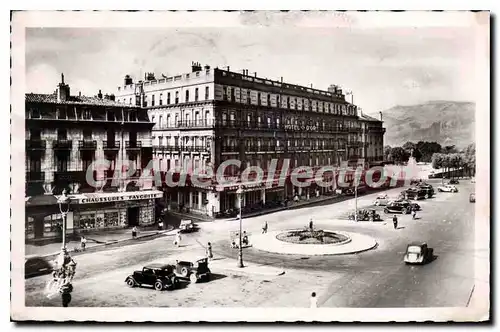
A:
(384, 67)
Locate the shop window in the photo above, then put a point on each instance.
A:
(30, 227)
(87, 221)
(52, 224)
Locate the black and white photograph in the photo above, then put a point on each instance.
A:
(187, 166)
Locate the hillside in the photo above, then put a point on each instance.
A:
(445, 122)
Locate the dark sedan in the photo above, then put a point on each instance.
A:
(36, 266)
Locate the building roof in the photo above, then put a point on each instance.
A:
(365, 117)
(73, 100)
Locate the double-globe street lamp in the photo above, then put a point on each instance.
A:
(64, 202)
(239, 193)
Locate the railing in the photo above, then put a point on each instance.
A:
(87, 145)
(36, 145)
(230, 149)
(133, 145)
(354, 129)
(63, 144)
(110, 145)
(177, 148)
(354, 143)
(35, 176)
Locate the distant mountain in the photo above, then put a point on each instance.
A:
(445, 122)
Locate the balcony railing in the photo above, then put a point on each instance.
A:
(69, 176)
(129, 145)
(35, 176)
(354, 129)
(87, 145)
(230, 149)
(36, 145)
(63, 144)
(110, 145)
(354, 143)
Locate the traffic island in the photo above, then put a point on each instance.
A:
(313, 243)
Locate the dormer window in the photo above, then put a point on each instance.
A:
(61, 113)
(133, 116)
(35, 113)
(111, 116)
(86, 115)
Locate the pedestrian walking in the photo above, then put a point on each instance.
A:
(177, 239)
(414, 214)
(311, 224)
(395, 221)
(83, 243)
(264, 229)
(160, 224)
(209, 253)
(314, 300)
(134, 232)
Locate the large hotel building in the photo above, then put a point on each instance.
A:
(65, 134)
(211, 115)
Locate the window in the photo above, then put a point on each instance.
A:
(224, 93)
(168, 98)
(35, 134)
(176, 97)
(258, 98)
(86, 115)
(52, 224)
(288, 102)
(130, 101)
(249, 120)
(35, 113)
(224, 119)
(269, 122)
(61, 113)
(278, 101)
(87, 134)
(248, 97)
(161, 99)
(232, 90)
(296, 103)
(176, 121)
(62, 164)
(268, 99)
(277, 123)
(196, 94)
(152, 100)
(207, 92)
(62, 135)
(133, 116)
(187, 96)
(160, 121)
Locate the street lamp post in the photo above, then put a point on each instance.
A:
(64, 202)
(355, 200)
(239, 192)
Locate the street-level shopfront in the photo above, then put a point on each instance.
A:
(90, 212)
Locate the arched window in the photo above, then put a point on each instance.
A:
(161, 99)
(187, 96)
(196, 94)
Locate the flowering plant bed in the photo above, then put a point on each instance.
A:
(308, 236)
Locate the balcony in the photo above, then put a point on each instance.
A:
(230, 149)
(69, 176)
(36, 145)
(133, 145)
(63, 145)
(35, 176)
(87, 145)
(354, 144)
(110, 145)
(299, 148)
(354, 129)
(200, 124)
(376, 130)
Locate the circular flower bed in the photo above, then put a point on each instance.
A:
(306, 236)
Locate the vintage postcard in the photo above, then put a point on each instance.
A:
(211, 166)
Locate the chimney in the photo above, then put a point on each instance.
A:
(281, 79)
(112, 97)
(255, 73)
(62, 91)
(99, 95)
(195, 66)
(380, 116)
(228, 68)
(207, 67)
(79, 93)
(128, 80)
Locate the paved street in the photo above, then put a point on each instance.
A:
(376, 278)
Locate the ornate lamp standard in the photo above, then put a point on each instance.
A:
(64, 202)
(239, 192)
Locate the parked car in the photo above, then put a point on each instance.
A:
(36, 266)
(453, 181)
(415, 193)
(187, 225)
(429, 190)
(415, 181)
(188, 270)
(381, 200)
(413, 205)
(472, 198)
(160, 276)
(398, 207)
(448, 189)
(418, 253)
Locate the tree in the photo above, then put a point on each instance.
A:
(399, 155)
(411, 149)
(437, 160)
(469, 159)
(427, 149)
(387, 152)
(450, 149)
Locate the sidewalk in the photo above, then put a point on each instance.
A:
(94, 241)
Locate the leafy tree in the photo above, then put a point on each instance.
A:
(399, 155)
(387, 152)
(427, 149)
(449, 149)
(411, 148)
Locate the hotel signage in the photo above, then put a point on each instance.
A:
(301, 127)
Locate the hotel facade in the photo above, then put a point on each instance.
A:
(65, 135)
(211, 115)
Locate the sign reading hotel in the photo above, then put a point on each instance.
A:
(300, 127)
(118, 198)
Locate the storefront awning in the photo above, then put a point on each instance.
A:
(40, 200)
(115, 197)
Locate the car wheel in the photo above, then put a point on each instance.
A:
(377, 203)
(193, 278)
(405, 211)
(440, 190)
(159, 286)
(130, 283)
(185, 272)
(386, 210)
(173, 282)
(426, 196)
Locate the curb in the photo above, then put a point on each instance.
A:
(104, 244)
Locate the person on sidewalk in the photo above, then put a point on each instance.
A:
(314, 300)
(311, 225)
(395, 221)
(83, 243)
(177, 239)
(264, 229)
(134, 232)
(209, 252)
(160, 224)
(414, 214)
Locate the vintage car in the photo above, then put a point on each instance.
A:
(195, 273)
(398, 207)
(187, 225)
(418, 253)
(160, 276)
(429, 190)
(415, 181)
(453, 181)
(415, 193)
(381, 200)
(472, 198)
(36, 266)
(448, 189)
